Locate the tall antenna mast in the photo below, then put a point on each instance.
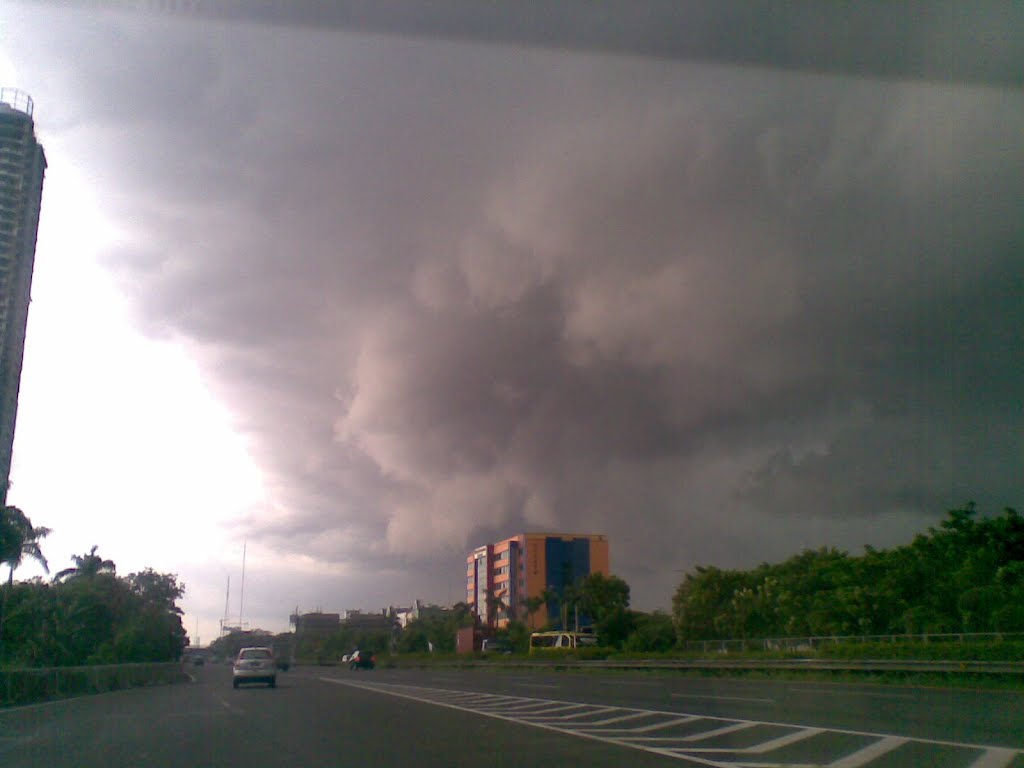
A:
(227, 602)
(241, 596)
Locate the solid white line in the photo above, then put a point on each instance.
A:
(380, 688)
(995, 757)
(869, 753)
(678, 718)
(720, 698)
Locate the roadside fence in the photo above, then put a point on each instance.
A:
(810, 643)
(30, 684)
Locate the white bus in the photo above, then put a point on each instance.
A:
(546, 641)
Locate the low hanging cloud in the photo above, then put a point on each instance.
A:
(450, 292)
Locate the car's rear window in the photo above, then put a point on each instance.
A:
(255, 653)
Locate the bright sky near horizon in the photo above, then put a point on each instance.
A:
(363, 302)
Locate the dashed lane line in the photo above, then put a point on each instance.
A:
(721, 742)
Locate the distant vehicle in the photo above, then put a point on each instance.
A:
(495, 646)
(547, 641)
(362, 660)
(254, 665)
(198, 660)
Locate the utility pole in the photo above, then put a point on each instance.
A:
(241, 594)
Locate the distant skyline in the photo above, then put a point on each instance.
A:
(366, 302)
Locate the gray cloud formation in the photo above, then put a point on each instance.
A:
(453, 291)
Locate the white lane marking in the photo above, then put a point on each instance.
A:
(995, 757)
(679, 747)
(765, 746)
(666, 724)
(784, 741)
(592, 711)
(701, 736)
(619, 719)
(869, 753)
(720, 698)
(389, 690)
(525, 709)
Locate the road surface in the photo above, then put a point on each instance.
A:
(434, 718)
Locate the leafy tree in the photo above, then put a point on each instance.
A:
(518, 635)
(616, 626)
(600, 596)
(652, 632)
(965, 575)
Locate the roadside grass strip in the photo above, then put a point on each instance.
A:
(707, 740)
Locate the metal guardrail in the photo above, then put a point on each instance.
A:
(30, 684)
(811, 642)
(804, 665)
(865, 665)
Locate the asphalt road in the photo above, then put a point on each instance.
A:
(428, 718)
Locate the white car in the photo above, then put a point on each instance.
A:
(255, 665)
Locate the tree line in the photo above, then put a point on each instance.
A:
(87, 614)
(966, 575)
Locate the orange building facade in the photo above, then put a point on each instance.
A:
(502, 577)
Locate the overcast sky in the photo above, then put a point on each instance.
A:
(365, 302)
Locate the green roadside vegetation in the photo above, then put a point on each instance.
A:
(87, 614)
(966, 575)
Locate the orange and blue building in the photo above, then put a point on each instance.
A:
(501, 577)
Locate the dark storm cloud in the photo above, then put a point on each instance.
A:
(451, 292)
(945, 41)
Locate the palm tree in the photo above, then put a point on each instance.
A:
(18, 538)
(532, 605)
(86, 566)
(550, 597)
